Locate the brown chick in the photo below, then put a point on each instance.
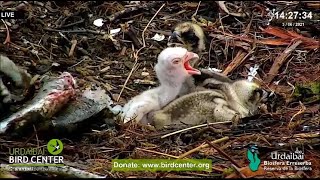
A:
(190, 36)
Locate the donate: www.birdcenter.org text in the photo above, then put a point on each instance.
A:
(162, 165)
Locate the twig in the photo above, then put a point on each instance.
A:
(35, 131)
(132, 69)
(223, 153)
(76, 31)
(72, 24)
(225, 9)
(136, 54)
(202, 146)
(299, 142)
(307, 135)
(73, 46)
(78, 48)
(132, 35)
(237, 61)
(128, 10)
(302, 110)
(127, 88)
(195, 13)
(193, 127)
(217, 169)
(8, 40)
(144, 43)
(166, 33)
(19, 47)
(83, 59)
(155, 152)
(210, 48)
(239, 171)
(280, 60)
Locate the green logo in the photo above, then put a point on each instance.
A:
(252, 155)
(55, 146)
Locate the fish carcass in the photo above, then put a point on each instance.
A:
(53, 95)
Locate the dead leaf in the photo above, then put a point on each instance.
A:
(276, 42)
(277, 32)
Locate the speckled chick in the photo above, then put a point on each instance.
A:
(224, 102)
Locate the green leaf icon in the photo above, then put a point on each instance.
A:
(55, 146)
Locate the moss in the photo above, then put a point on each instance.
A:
(315, 87)
(307, 91)
(228, 171)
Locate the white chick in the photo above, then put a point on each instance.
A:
(172, 69)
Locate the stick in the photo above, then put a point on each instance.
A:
(239, 171)
(144, 43)
(72, 24)
(195, 13)
(202, 146)
(155, 152)
(306, 135)
(73, 46)
(223, 153)
(128, 10)
(132, 35)
(280, 60)
(301, 111)
(193, 127)
(237, 61)
(75, 31)
(136, 54)
(8, 39)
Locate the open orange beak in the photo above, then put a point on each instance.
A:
(189, 56)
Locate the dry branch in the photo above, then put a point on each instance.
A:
(136, 54)
(235, 62)
(203, 146)
(280, 60)
(193, 127)
(224, 154)
(130, 9)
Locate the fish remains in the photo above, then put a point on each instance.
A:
(53, 95)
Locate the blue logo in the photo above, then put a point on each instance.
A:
(252, 156)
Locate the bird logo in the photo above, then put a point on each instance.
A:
(252, 155)
(55, 146)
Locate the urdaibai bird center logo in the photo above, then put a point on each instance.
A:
(37, 156)
(55, 146)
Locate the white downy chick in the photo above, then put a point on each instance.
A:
(172, 69)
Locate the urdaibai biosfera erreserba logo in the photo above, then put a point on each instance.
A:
(55, 146)
(252, 156)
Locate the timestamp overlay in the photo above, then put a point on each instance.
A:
(289, 18)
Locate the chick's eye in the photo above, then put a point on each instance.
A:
(175, 61)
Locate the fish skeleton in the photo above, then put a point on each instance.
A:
(53, 95)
